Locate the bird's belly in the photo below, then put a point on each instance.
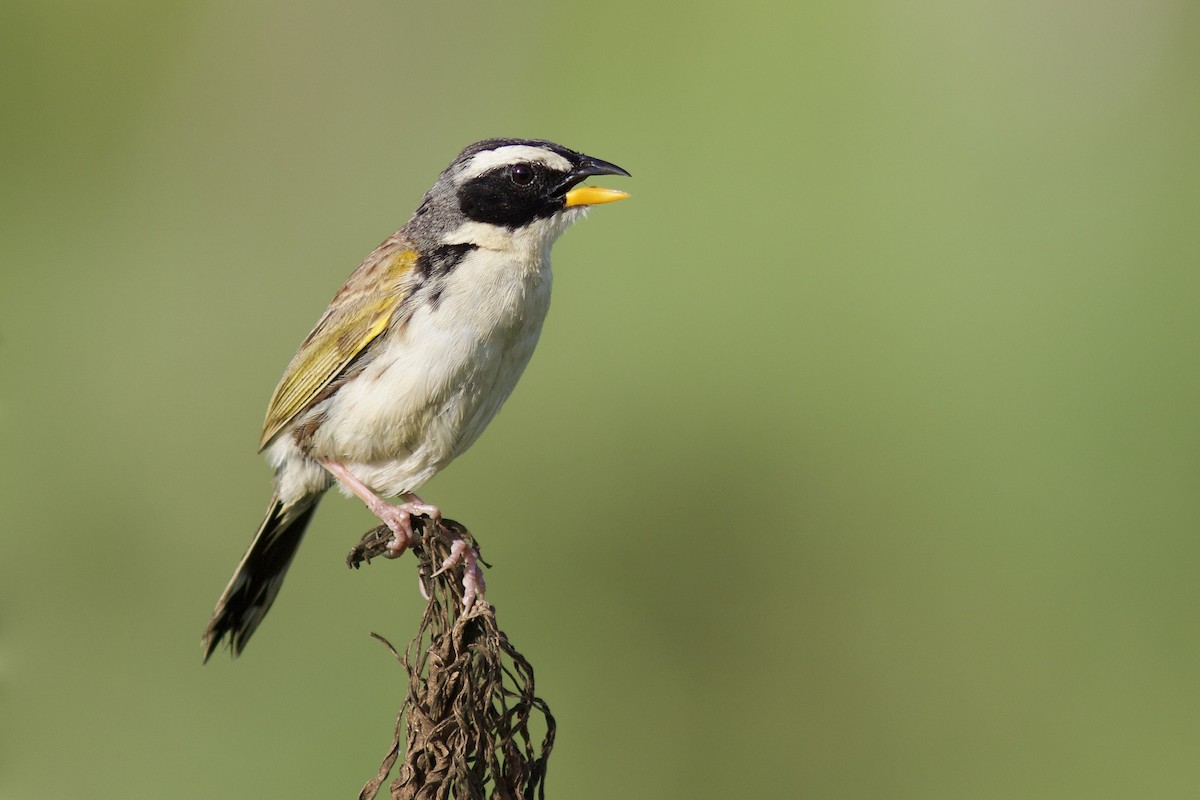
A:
(435, 386)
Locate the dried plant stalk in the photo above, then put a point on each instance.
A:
(465, 721)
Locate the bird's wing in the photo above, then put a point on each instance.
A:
(360, 311)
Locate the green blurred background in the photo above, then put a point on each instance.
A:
(859, 458)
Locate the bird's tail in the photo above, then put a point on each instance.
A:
(254, 585)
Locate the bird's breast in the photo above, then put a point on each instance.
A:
(440, 374)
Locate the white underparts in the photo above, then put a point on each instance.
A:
(436, 378)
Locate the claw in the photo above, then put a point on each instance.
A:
(398, 518)
(473, 581)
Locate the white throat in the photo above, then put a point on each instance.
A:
(532, 240)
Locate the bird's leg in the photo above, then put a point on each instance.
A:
(473, 583)
(396, 517)
(399, 519)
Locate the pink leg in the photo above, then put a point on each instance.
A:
(396, 517)
(473, 583)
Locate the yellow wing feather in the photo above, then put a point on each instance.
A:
(360, 311)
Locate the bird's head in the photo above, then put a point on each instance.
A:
(503, 190)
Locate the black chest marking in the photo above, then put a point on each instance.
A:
(434, 267)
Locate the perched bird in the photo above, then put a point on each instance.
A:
(414, 356)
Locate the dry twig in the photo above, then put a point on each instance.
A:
(465, 722)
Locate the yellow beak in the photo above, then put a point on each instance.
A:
(593, 196)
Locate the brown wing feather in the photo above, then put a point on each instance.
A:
(359, 312)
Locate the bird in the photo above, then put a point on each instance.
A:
(414, 356)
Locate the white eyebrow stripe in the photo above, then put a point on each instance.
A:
(513, 154)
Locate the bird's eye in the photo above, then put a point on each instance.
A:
(521, 174)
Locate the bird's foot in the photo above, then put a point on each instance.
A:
(399, 519)
(473, 582)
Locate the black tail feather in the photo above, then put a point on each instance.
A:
(256, 582)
